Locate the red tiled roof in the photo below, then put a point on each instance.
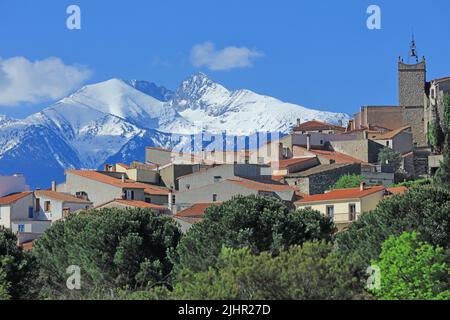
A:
(135, 203)
(317, 125)
(141, 204)
(13, 197)
(333, 155)
(60, 196)
(277, 178)
(442, 80)
(397, 190)
(262, 186)
(388, 135)
(342, 194)
(283, 164)
(196, 211)
(100, 177)
(27, 246)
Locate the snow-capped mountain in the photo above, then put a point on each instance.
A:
(114, 120)
(212, 107)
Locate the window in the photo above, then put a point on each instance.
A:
(47, 206)
(173, 199)
(30, 213)
(387, 143)
(330, 212)
(38, 205)
(214, 197)
(148, 200)
(21, 228)
(217, 179)
(188, 186)
(130, 195)
(352, 212)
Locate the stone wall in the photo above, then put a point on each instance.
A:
(411, 82)
(323, 181)
(414, 116)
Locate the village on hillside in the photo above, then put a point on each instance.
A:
(384, 144)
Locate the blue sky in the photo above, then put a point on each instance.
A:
(319, 54)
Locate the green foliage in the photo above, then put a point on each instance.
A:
(435, 135)
(447, 112)
(310, 272)
(413, 183)
(442, 176)
(348, 181)
(114, 249)
(5, 285)
(412, 270)
(15, 267)
(390, 156)
(257, 223)
(423, 209)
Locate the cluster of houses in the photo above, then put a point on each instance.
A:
(300, 169)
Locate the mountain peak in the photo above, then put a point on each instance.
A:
(158, 92)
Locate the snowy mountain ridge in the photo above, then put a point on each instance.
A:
(114, 120)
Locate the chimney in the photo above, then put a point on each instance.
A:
(362, 186)
(54, 186)
(299, 122)
(308, 142)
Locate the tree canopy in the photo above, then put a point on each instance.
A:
(113, 249)
(412, 270)
(257, 223)
(423, 209)
(348, 181)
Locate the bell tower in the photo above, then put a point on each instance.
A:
(412, 79)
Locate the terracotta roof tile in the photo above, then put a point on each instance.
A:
(317, 125)
(388, 135)
(60, 196)
(100, 177)
(262, 186)
(342, 194)
(333, 155)
(283, 164)
(397, 190)
(134, 203)
(195, 211)
(12, 198)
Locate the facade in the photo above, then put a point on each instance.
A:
(210, 175)
(346, 205)
(17, 213)
(225, 190)
(319, 179)
(54, 206)
(102, 187)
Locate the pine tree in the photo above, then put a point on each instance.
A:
(442, 177)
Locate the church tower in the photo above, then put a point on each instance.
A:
(412, 79)
(412, 93)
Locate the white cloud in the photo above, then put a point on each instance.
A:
(206, 55)
(24, 81)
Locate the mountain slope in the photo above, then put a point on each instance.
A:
(214, 108)
(114, 120)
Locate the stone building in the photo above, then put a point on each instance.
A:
(413, 88)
